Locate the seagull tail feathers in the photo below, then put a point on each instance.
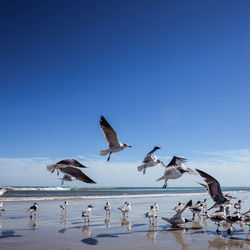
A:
(141, 167)
(104, 152)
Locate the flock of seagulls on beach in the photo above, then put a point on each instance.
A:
(73, 170)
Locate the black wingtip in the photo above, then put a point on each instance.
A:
(189, 204)
(155, 148)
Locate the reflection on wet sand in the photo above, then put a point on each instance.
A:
(63, 219)
(151, 235)
(107, 222)
(32, 223)
(196, 224)
(86, 229)
(178, 233)
(126, 223)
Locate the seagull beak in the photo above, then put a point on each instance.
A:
(130, 146)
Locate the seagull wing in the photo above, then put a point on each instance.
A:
(148, 157)
(109, 132)
(176, 161)
(213, 186)
(77, 173)
(71, 162)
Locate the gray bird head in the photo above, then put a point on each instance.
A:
(90, 206)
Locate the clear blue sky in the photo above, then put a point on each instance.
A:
(169, 73)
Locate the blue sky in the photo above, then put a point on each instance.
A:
(169, 73)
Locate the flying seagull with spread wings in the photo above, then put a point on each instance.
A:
(214, 190)
(70, 168)
(112, 140)
(174, 170)
(150, 161)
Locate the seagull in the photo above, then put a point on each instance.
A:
(87, 213)
(156, 206)
(231, 219)
(179, 207)
(174, 170)
(112, 140)
(218, 216)
(71, 168)
(67, 177)
(125, 208)
(107, 208)
(177, 220)
(214, 190)
(152, 214)
(196, 209)
(64, 206)
(150, 161)
(238, 205)
(33, 209)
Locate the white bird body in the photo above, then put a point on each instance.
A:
(179, 207)
(150, 161)
(112, 140)
(107, 208)
(174, 170)
(125, 208)
(87, 212)
(152, 214)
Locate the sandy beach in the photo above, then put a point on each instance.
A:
(52, 229)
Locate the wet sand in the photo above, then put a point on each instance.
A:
(52, 229)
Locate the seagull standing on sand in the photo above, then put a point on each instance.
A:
(177, 220)
(174, 170)
(107, 208)
(64, 206)
(179, 207)
(125, 208)
(218, 216)
(214, 190)
(87, 213)
(71, 169)
(196, 209)
(150, 161)
(112, 140)
(152, 214)
(33, 209)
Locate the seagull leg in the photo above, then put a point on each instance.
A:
(144, 171)
(109, 156)
(165, 184)
(57, 171)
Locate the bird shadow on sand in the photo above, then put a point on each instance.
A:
(9, 234)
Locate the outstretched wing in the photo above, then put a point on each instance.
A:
(213, 186)
(109, 132)
(148, 157)
(176, 161)
(71, 162)
(77, 173)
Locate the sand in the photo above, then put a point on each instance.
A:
(52, 229)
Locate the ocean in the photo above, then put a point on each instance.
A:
(49, 192)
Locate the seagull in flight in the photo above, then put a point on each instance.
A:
(150, 161)
(174, 170)
(112, 140)
(214, 190)
(70, 168)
